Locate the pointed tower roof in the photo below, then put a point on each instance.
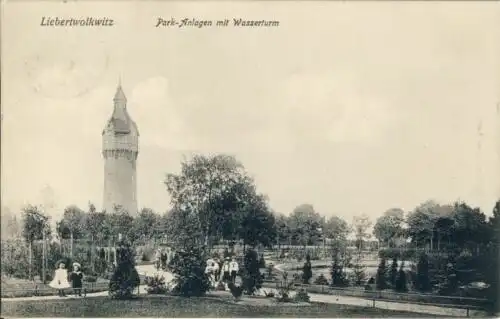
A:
(120, 121)
(119, 95)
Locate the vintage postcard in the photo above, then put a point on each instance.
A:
(250, 159)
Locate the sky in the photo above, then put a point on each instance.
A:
(353, 107)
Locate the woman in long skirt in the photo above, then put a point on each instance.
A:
(60, 281)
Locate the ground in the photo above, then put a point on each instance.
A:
(171, 306)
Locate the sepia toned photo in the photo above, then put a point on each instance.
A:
(250, 159)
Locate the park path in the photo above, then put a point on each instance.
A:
(331, 299)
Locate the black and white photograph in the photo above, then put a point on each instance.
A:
(321, 159)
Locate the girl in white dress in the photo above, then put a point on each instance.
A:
(60, 281)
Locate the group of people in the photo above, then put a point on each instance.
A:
(163, 258)
(62, 280)
(222, 271)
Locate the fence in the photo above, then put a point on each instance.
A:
(466, 303)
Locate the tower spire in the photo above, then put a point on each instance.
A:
(119, 95)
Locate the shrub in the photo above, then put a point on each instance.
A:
(269, 271)
(400, 285)
(251, 273)
(422, 281)
(284, 287)
(394, 272)
(156, 285)
(381, 278)
(302, 296)
(321, 280)
(188, 267)
(338, 276)
(307, 271)
(125, 277)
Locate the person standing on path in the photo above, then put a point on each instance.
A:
(157, 259)
(226, 272)
(60, 281)
(234, 267)
(76, 278)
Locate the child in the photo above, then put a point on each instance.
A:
(60, 281)
(76, 278)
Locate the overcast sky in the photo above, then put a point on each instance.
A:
(351, 107)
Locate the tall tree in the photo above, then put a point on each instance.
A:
(360, 225)
(336, 229)
(283, 230)
(145, 224)
(35, 226)
(305, 224)
(72, 225)
(258, 225)
(421, 222)
(389, 226)
(202, 186)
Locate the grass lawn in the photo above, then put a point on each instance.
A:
(14, 287)
(171, 306)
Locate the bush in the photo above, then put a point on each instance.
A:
(394, 273)
(307, 271)
(321, 280)
(338, 276)
(422, 281)
(401, 281)
(125, 277)
(302, 296)
(284, 287)
(251, 273)
(381, 279)
(188, 267)
(156, 285)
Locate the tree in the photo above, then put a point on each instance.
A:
(305, 224)
(206, 186)
(145, 224)
(336, 229)
(283, 231)
(183, 228)
(95, 225)
(394, 272)
(72, 225)
(258, 225)
(381, 279)
(120, 222)
(361, 224)
(307, 271)
(470, 227)
(401, 280)
(188, 267)
(11, 226)
(423, 280)
(251, 274)
(125, 277)
(389, 226)
(421, 222)
(35, 223)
